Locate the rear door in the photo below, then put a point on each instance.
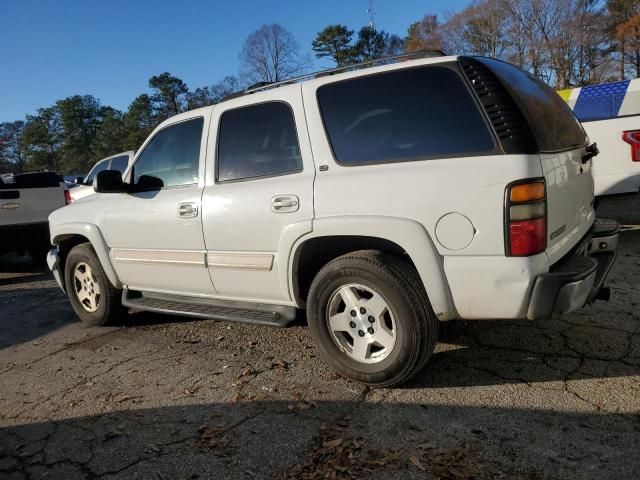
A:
(562, 142)
(259, 195)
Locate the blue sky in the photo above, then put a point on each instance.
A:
(109, 48)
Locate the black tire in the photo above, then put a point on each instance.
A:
(400, 286)
(109, 307)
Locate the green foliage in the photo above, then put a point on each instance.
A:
(80, 117)
(110, 136)
(138, 122)
(334, 41)
(41, 139)
(11, 153)
(371, 44)
(169, 96)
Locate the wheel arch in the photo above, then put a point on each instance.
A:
(67, 235)
(332, 237)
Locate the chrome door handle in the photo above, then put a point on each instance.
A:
(10, 206)
(187, 210)
(284, 203)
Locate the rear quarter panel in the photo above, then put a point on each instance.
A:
(424, 192)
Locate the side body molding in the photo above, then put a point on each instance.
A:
(410, 235)
(92, 233)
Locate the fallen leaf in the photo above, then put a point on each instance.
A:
(416, 462)
(245, 372)
(333, 443)
(279, 364)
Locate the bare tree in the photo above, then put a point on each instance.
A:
(479, 29)
(271, 54)
(628, 33)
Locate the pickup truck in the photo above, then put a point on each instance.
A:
(26, 200)
(383, 198)
(610, 114)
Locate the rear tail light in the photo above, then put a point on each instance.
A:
(632, 137)
(67, 197)
(526, 218)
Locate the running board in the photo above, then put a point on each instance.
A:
(207, 308)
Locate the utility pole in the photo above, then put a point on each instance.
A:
(371, 12)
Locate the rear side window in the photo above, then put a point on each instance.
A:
(258, 141)
(119, 163)
(403, 115)
(171, 158)
(551, 120)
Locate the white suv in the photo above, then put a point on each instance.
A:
(382, 200)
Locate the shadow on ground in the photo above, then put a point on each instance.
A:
(325, 440)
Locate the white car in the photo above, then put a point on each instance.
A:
(383, 200)
(119, 162)
(610, 114)
(26, 200)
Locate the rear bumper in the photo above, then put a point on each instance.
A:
(578, 278)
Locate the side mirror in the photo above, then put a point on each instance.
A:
(148, 183)
(79, 180)
(109, 181)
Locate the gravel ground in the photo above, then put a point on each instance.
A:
(161, 397)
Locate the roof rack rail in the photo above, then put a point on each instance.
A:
(260, 86)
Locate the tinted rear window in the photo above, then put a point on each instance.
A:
(258, 141)
(403, 115)
(551, 120)
(32, 180)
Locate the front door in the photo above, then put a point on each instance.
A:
(155, 232)
(258, 199)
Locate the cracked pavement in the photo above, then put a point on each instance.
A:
(164, 397)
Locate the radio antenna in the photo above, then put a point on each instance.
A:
(371, 13)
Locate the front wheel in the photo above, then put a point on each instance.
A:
(93, 298)
(371, 319)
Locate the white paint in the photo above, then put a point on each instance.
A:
(613, 170)
(454, 231)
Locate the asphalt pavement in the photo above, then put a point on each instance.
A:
(161, 397)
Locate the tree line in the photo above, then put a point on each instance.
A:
(567, 43)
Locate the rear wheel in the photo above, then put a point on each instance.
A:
(93, 298)
(371, 319)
